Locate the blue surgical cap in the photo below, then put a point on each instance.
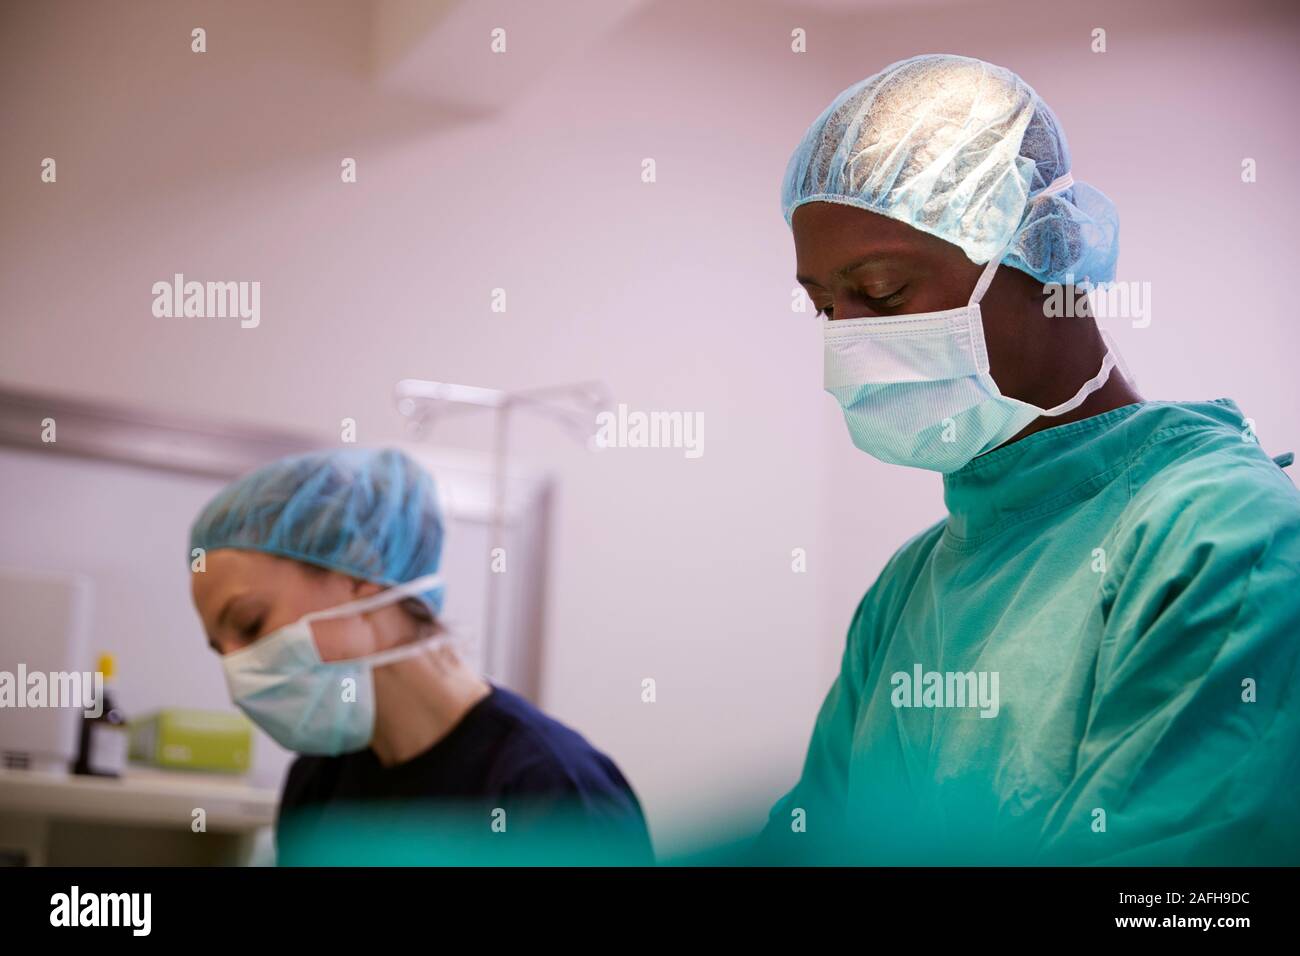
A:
(957, 147)
(368, 513)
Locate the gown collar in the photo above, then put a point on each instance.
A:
(1048, 470)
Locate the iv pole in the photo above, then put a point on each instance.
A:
(573, 407)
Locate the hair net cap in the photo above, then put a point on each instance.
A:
(958, 148)
(371, 514)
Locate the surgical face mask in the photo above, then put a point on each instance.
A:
(916, 389)
(309, 705)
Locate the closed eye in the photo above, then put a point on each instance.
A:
(877, 303)
(890, 301)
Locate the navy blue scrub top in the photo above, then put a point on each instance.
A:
(507, 784)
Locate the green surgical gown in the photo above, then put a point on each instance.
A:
(1133, 581)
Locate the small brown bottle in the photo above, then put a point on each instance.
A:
(102, 745)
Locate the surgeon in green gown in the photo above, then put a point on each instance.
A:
(1094, 658)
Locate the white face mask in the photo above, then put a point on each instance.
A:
(309, 705)
(916, 389)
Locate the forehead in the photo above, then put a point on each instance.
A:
(231, 571)
(829, 235)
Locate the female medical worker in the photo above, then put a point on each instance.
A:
(319, 588)
(1095, 655)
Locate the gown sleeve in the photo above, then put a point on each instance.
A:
(1190, 753)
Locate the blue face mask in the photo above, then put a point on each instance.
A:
(916, 389)
(312, 706)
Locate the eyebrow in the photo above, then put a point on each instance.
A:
(843, 271)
